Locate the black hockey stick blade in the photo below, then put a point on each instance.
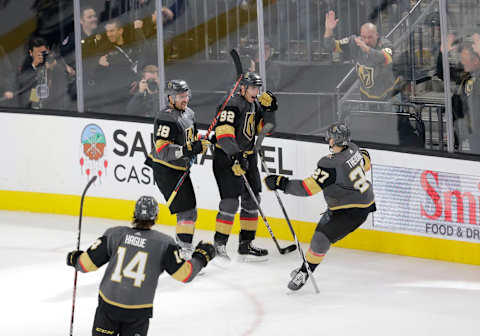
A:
(236, 61)
(93, 179)
(288, 249)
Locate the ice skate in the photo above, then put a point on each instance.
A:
(186, 249)
(248, 252)
(221, 250)
(299, 278)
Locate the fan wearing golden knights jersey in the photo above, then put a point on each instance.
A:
(348, 193)
(136, 257)
(372, 55)
(237, 125)
(176, 146)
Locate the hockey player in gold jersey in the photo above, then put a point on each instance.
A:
(136, 257)
(348, 193)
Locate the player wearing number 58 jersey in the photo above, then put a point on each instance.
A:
(348, 193)
(136, 257)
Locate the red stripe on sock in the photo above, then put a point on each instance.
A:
(249, 218)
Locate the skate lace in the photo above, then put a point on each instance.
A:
(299, 278)
(186, 249)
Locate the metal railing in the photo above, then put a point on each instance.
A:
(408, 124)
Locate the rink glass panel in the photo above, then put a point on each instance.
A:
(310, 81)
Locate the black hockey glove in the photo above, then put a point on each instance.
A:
(205, 252)
(192, 149)
(268, 101)
(72, 257)
(240, 164)
(274, 182)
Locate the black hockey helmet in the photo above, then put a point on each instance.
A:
(251, 79)
(146, 208)
(339, 132)
(176, 86)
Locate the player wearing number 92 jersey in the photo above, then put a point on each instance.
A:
(348, 193)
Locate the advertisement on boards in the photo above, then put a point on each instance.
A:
(427, 203)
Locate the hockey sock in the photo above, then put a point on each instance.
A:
(312, 267)
(221, 238)
(185, 237)
(246, 235)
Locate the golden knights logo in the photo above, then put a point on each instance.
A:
(249, 127)
(365, 74)
(189, 138)
(469, 86)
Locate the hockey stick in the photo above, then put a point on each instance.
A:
(93, 179)
(297, 243)
(267, 128)
(238, 68)
(282, 250)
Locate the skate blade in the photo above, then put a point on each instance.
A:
(251, 258)
(221, 262)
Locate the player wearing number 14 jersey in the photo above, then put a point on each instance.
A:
(348, 193)
(136, 257)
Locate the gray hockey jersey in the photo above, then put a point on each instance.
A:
(374, 69)
(136, 258)
(342, 179)
(173, 129)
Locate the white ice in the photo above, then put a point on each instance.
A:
(361, 293)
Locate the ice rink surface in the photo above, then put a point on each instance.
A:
(361, 293)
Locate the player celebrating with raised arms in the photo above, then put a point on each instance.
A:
(348, 193)
(237, 125)
(136, 257)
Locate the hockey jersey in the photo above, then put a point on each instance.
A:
(136, 258)
(239, 123)
(173, 129)
(342, 179)
(374, 69)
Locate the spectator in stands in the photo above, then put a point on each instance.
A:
(41, 81)
(469, 130)
(145, 100)
(249, 53)
(169, 15)
(7, 80)
(372, 55)
(457, 75)
(90, 42)
(89, 38)
(118, 67)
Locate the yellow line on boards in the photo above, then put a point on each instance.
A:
(362, 239)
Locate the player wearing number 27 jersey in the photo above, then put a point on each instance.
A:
(348, 193)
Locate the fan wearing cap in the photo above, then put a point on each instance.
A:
(235, 131)
(135, 257)
(348, 194)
